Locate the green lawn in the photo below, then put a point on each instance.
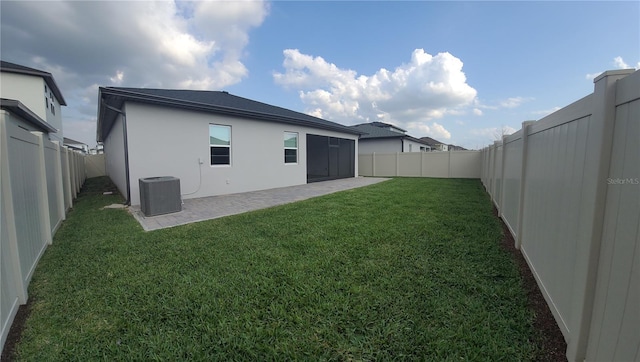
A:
(408, 269)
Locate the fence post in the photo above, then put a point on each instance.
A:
(59, 181)
(10, 217)
(449, 166)
(495, 170)
(397, 164)
(373, 164)
(43, 192)
(523, 179)
(421, 164)
(67, 177)
(502, 170)
(600, 141)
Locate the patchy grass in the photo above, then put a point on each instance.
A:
(405, 269)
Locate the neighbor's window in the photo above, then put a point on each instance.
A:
(220, 143)
(290, 147)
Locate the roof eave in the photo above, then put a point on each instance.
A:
(145, 98)
(24, 112)
(48, 78)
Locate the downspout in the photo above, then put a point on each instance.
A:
(126, 149)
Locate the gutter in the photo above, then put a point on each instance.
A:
(126, 148)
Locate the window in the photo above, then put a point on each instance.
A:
(290, 147)
(220, 144)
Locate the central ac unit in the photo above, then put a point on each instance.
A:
(160, 195)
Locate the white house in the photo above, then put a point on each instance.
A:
(216, 143)
(379, 137)
(37, 91)
(76, 145)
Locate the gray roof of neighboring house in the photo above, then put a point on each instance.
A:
(48, 78)
(19, 109)
(375, 132)
(206, 101)
(431, 142)
(372, 131)
(382, 124)
(71, 141)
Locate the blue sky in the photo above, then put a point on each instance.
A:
(456, 71)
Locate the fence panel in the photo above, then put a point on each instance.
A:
(31, 202)
(465, 164)
(497, 176)
(95, 165)
(56, 212)
(25, 181)
(410, 164)
(452, 164)
(512, 181)
(616, 315)
(436, 164)
(578, 232)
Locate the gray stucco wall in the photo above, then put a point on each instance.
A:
(380, 146)
(411, 146)
(172, 142)
(114, 156)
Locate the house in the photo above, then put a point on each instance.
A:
(36, 91)
(15, 113)
(76, 145)
(441, 146)
(216, 143)
(379, 137)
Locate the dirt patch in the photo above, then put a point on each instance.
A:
(551, 341)
(15, 332)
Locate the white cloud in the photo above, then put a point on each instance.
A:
(433, 129)
(422, 90)
(477, 111)
(618, 63)
(117, 78)
(514, 102)
(164, 44)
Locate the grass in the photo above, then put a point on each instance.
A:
(408, 269)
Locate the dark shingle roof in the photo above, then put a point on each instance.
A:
(207, 101)
(374, 130)
(48, 78)
(382, 124)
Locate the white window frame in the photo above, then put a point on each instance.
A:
(291, 148)
(221, 146)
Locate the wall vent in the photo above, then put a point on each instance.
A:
(159, 195)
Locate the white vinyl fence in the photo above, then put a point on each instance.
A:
(39, 180)
(568, 187)
(452, 164)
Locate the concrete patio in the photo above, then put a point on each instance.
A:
(213, 207)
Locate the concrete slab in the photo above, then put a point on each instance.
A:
(213, 207)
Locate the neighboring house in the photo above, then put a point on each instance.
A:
(37, 91)
(97, 150)
(15, 113)
(456, 148)
(381, 137)
(441, 146)
(76, 145)
(216, 143)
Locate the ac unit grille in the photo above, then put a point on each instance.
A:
(159, 195)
